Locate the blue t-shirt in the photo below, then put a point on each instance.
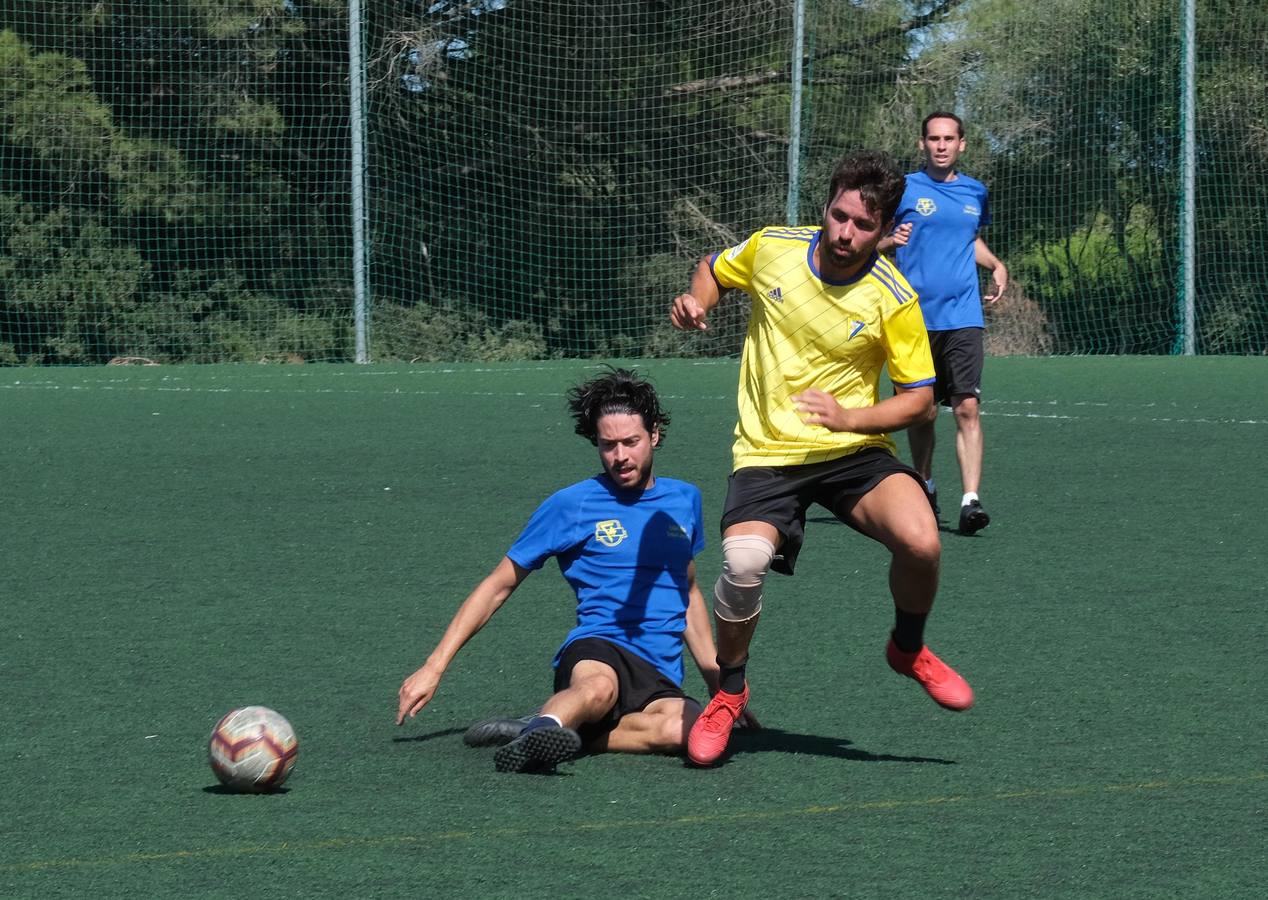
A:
(938, 258)
(626, 557)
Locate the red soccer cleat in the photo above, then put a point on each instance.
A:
(712, 731)
(939, 680)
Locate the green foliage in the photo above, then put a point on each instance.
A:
(449, 333)
(150, 201)
(545, 173)
(67, 283)
(1091, 284)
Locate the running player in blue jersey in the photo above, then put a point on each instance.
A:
(938, 249)
(625, 541)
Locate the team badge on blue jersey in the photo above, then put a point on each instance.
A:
(926, 207)
(676, 531)
(610, 532)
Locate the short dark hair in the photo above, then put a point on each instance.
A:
(875, 176)
(616, 391)
(959, 123)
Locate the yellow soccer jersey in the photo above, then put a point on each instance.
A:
(805, 332)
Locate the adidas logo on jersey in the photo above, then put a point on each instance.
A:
(775, 294)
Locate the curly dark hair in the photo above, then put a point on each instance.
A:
(616, 391)
(875, 176)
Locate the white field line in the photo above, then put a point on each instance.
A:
(1059, 410)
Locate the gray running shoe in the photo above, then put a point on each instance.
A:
(539, 750)
(496, 731)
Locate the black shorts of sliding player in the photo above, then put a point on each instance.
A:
(780, 495)
(638, 681)
(958, 357)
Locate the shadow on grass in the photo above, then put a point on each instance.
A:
(774, 740)
(230, 792)
(429, 736)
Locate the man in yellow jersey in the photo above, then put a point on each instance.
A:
(828, 314)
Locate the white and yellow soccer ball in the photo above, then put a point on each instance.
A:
(253, 749)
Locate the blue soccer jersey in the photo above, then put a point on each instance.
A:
(938, 259)
(626, 557)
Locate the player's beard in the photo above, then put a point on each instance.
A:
(635, 479)
(844, 259)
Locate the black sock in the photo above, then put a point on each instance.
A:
(909, 630)
(539, 721)
(731, 678)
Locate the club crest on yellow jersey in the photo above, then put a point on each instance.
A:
(610, 532)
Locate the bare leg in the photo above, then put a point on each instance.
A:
(896, 514)
(968, 441)
(922, 439)
(660, 727)
(591, 693)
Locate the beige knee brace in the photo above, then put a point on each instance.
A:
(737, 597)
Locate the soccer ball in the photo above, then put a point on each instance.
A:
(252, 749)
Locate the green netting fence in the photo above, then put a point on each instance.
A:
(279, 180)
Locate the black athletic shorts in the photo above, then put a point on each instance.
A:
(638, 681)
(780, 495)
(957, 361)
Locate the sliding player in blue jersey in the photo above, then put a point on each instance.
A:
(625, 541)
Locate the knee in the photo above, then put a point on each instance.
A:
(598, 692)
(920, 549)
(967, 411)
(737, 596)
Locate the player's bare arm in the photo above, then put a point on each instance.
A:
(896, 238)
(907, 407)
(698, 636)
(699, 639)
(690, 309)
(983, 256)
(487, 598)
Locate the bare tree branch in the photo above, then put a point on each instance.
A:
(773, 76)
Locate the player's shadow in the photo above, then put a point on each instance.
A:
(229, 792)
(449, 732)
(428, 736)
(775, 740)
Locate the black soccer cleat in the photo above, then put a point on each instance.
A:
(973, 518)
(495, 732)
(539, 750)
(932, 496)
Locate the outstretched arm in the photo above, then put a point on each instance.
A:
(983, 256)
(690, 309)
(476, 610)
(699, 636)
